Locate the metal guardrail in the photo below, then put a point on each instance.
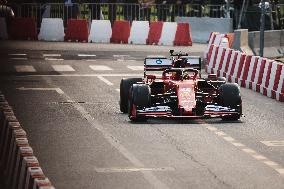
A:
(117, 11)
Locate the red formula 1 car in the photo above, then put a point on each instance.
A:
(178, 92)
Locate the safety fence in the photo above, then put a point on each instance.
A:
(252, 72)
(19, 168)
(116, 11)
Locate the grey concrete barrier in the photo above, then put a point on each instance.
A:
(249, 42)
(241, 41)
(202, 27)
(273, 42)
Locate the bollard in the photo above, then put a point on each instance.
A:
(8, 118)
(26, 151)
(4, 153)
(42, 182)
(30, 161)
(19, 143)
(32, 174)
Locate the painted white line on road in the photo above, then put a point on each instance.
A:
(273, 143)
(237, 144)
(278, 168)
(120, 55)
(156, 56)
(148, 175)
(63, 68)
(140, 68)
(58, 90)
(90, 60)
(85, 75)
(51, 55)
(19, 58)
(87, 55)
(17, 54)
(54, 59)
(105, 80)
(220, 133)
(249, 151)
(126, 170)
(100, 68)
(24, 68)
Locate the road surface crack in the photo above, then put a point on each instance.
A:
(187, 155)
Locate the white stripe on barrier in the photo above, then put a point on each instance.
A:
(234, 53)
(252, 63)
(218, 39)
(272, 79)
(234, 76)
(139, 32)
(3, 28)
(264, 77)
(280, 84)
(51, 29)
(254, 82)
(211, 40)
(100, 31)
(168, 33)
(218, 60)
(214, 51)
(224, 61)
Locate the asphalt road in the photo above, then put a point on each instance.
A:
(65, 95)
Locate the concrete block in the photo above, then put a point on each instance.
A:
(202, 27)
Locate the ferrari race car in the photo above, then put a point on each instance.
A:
(178, 91)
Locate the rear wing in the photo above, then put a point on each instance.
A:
(192, 62)
(162, 63)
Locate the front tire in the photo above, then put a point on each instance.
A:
(125, 85)
(230, 97)
(140, 98)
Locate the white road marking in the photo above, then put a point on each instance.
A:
(120, 55)
(105, 80)
(278, 168)
(273, 143)
(54, 59)
(51, 55)
(100, 68)
(90, 60)
(259, 157)
(24, 68)
(58, 90)
(126, 170)
(220, 133)
(154, 56)
(230, 139)
(120, 60)
(87, 55)
(17, 54)
(271, 163)
(136, 67)
(86, 75)
(249, 151)
(148, 175)
(19, 58)
(63, 68)
(237, 144)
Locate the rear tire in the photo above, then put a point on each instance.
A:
(230, 97)
(125, 85)
(140, 98)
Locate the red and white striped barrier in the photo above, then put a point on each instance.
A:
(162, 33)
(259, 74)
(20, 169)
